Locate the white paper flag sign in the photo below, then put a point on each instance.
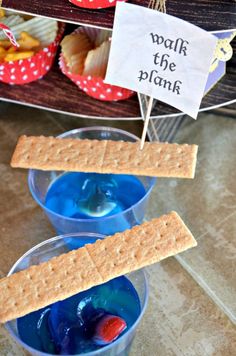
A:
(161, 56)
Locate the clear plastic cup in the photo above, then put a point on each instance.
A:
(61, 244)
(39, 182)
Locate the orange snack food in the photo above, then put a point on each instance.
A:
(2, 53)
(27, 42)
(5, 43)
(27, 47)
(11, 57)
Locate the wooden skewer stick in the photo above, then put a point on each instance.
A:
(146, 121)
(159, 5)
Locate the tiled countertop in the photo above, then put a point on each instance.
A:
(182, 318)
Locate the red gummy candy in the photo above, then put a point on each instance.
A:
(108, 329)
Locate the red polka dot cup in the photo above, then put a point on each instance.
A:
(94, 86)
(30, 69)
(95, 4)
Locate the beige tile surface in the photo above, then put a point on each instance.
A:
(213, 264)
(8, 347)
(211, 196)
(208, 205)
(181, 318)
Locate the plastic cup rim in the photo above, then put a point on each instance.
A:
(92, 353)
(32, 172)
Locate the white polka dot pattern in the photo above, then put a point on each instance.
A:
(95, 4)
(94, 86)
(31, 69)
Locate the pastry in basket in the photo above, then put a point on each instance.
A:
(84, 59)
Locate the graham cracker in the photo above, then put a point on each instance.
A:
(93, 264)
(156, 159)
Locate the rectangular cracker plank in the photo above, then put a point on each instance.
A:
(41, 285)
(50, 153)
(156, 159)
(141, 246)
(93, 264)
